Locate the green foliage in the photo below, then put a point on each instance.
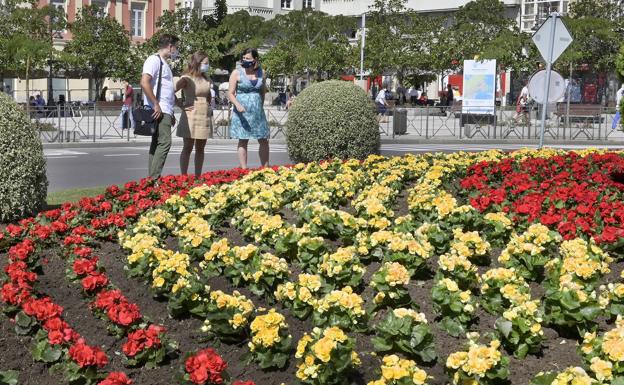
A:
(619, 63)
(405, 331)
(397, 37)
(100, 48)
(597, 29)
(221, 36)
(23, 182)
(481, 28)
(308, 42)
(332, 119)
(9, 377)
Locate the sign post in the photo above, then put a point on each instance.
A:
(551, 39)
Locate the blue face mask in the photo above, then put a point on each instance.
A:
(174, 55)
(248, 63)
(204, 67)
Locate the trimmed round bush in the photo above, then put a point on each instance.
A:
(23, 182)
(332, 119)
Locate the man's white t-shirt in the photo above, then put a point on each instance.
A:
(381, 97)
(619, 96)
(167, 90)
(525, 92)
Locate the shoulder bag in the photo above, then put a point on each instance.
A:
(144, 122)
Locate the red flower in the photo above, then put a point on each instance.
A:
(60, 227)
(83, 266)
(108, 298)
(205, 366)
(141, 339)
(73, 240)
(243, 383)
(85, 355)
(22, 250)
(42, 309)
(94, 281)
(82, 251)
(106, 206)
(124, 314)
(130, 212)
(41, 232)
(14, 294)
(14, 230)
(116, 378)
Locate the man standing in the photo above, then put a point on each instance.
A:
(155, 66)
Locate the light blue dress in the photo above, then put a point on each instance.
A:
(251, 124)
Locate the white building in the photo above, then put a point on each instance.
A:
(265, 8)
(270, 8)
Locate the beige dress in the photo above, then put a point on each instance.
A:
(196, 122)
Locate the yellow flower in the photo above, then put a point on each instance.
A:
(323, 348)
(601, 368)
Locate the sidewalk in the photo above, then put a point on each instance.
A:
(403, 139)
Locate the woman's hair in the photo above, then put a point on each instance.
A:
(194, 63)
(254, 54)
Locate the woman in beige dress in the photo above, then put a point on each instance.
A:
(196, 122)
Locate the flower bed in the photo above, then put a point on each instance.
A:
(481, 268)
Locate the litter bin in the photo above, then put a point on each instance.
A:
(399, 121)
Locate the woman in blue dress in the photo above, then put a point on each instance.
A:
(246, 93)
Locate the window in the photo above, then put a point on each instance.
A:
(59, 5)
(102, 5)
(137, 16)
(308, 3)
(286, 4)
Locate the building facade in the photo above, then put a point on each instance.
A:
(139, 17)
(265, 8)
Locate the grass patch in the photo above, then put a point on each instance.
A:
(73, 195)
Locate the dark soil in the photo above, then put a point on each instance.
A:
(557, 353)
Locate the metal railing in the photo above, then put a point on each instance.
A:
(78, 122)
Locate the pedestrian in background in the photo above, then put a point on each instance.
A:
(619, 97)
(382, 103)
(449, 95)
(246, 93)
(155, 68)
(126, 107)
(195, 125)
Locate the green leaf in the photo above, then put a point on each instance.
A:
(9, 377)
(380, 344)
(504, 326)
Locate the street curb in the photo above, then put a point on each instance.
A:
(434, 141)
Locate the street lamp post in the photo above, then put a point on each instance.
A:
(363, 44)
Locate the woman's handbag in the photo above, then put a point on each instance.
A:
(144, 122)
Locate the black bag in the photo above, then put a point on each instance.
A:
(144, 122)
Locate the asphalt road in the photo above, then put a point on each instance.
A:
(90, 167)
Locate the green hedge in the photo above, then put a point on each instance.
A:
(23, 182)
(332, 119)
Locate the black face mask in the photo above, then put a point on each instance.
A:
(248, 63)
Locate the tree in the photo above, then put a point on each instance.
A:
(220, 11)
(194, 32)
(308, 42)
(28, 54)
(597, 27)
(221, 43)
(99, 49)
(26, 37)
(405, 43)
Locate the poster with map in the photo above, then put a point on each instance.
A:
(479, 87)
